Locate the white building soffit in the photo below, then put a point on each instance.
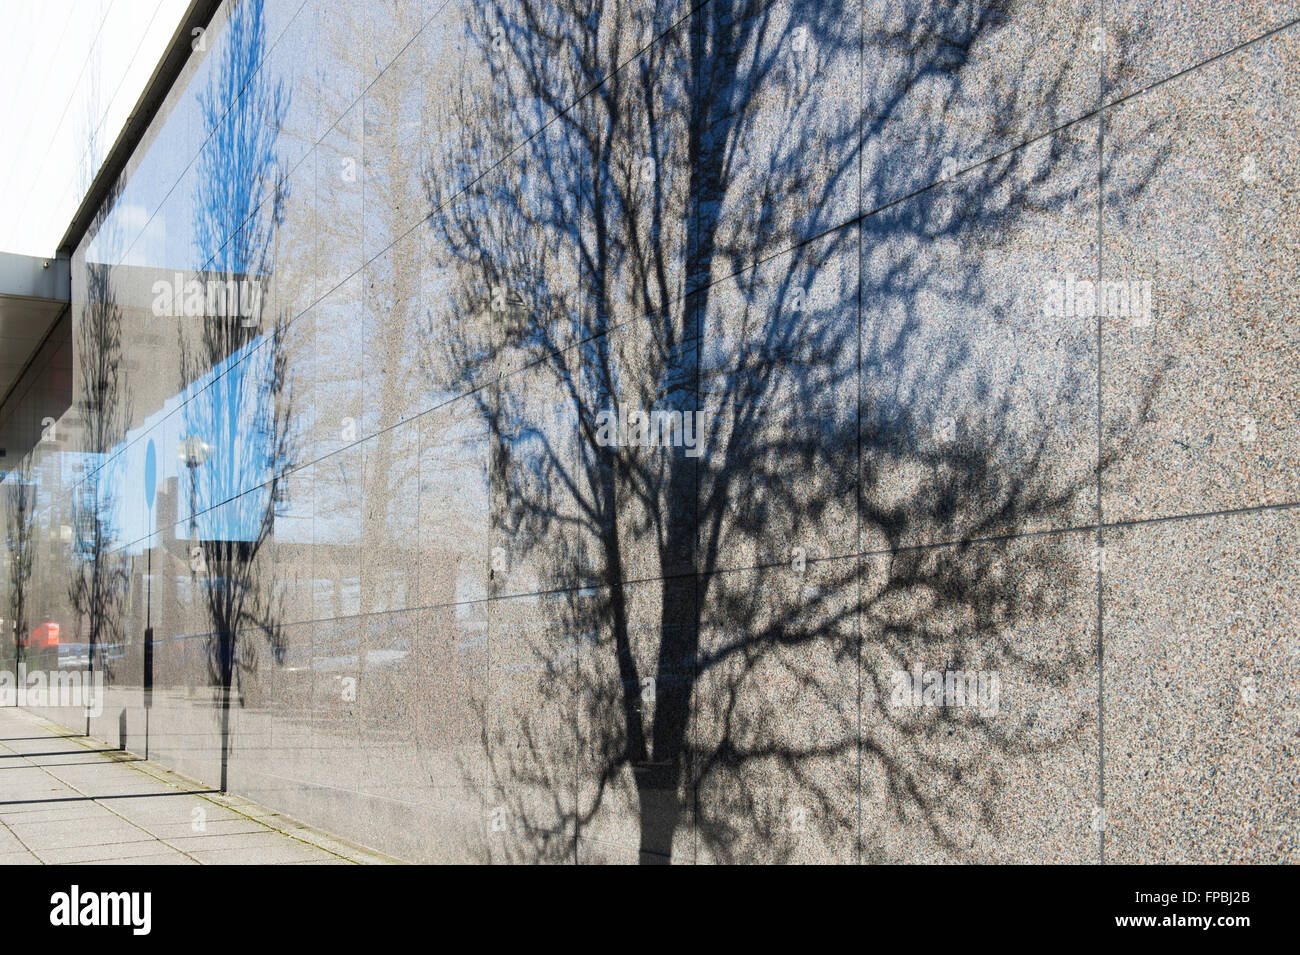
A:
(33, 293)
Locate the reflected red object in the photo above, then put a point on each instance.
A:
(46, 635)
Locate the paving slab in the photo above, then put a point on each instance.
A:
(75, 800)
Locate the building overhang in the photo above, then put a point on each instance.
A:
(34, 296)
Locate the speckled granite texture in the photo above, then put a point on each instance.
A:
(746, 431)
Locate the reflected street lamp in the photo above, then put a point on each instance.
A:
(192, 451)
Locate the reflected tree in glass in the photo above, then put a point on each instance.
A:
(100, 580)
(233, 364)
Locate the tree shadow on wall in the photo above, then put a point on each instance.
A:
(698, 638)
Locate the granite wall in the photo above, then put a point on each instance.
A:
(744, 431)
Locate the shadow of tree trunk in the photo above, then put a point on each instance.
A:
(701, 633)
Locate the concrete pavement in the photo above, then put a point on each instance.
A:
(68, 799)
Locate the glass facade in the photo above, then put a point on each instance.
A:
(753, 430)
